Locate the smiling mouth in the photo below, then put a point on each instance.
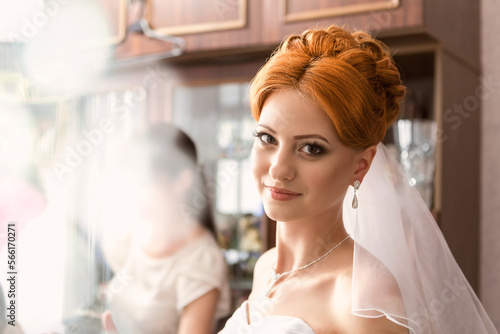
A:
(281, 194)
(282, 191)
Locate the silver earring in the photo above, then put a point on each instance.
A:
(355, 199)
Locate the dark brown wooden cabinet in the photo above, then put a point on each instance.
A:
(229, 26)
(216, 25)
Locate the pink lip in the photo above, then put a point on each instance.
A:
(281, 194)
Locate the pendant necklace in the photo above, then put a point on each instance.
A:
(277, 276)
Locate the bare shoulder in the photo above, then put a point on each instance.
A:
(346, 320)
(262, 270)
(374, 281)
(265, 261)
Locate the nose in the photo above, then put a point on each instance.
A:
(281, 168)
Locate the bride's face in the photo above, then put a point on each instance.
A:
(297, 150)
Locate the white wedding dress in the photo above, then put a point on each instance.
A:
(247, 320)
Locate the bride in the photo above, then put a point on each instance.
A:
(371, 261)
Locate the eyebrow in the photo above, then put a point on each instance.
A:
(298, 136)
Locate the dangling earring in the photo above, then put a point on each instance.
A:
(355, 199)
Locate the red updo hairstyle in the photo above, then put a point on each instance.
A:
(351, 76)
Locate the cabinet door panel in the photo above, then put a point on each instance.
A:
(296, 10)
(379, 17)
(206, 25)
(196, 16)
(115, 12)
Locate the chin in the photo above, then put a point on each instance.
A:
(279, 212)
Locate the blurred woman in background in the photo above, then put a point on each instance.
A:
(170, 276)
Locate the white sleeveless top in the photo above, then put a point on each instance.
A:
(240, 323)
(148, 295)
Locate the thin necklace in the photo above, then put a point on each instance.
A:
(277, 276)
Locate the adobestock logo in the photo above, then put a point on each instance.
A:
(450, 293)
(118, 284)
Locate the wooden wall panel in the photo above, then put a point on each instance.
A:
(456, 24)
(460, 177)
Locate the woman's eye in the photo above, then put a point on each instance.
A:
(264, 137)
(312, 149)
(268, 139)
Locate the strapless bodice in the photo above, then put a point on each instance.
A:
(240, 323)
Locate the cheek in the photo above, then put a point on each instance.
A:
(328, 183)
(258, 165)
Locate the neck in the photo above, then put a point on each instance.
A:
(300, 242)
(157, 247)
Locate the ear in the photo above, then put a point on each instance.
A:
(363, 162)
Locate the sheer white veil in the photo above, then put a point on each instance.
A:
(403, 268)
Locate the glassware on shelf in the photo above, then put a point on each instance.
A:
(415, 141)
